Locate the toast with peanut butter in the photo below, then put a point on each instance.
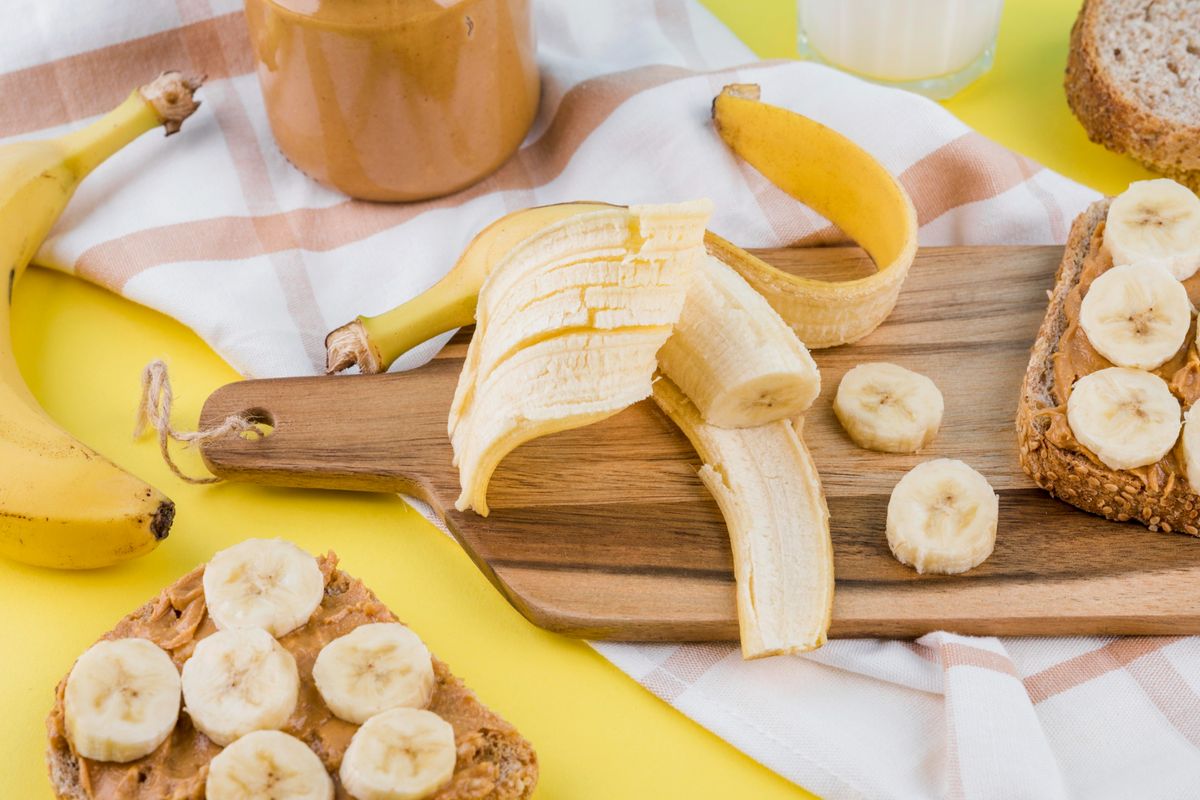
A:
(1101, 420)
(211, 711)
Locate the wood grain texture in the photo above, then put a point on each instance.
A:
(606, 531)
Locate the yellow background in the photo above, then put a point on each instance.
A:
(598, 733)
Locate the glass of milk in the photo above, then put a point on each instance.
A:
(935, 47)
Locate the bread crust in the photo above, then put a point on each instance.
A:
(494, 761)
(1074, 477)
(1117, 120)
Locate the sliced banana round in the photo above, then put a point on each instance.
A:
(888, 408)
(121, 700)
(1191, 446)
(374, 668)
(1136, 315)
(267, 765)
(238, 681)
(942, 517)
(1155, 222)
(1127, 417)
(402, 754)
(263, 583)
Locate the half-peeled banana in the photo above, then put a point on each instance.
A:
(564, 333)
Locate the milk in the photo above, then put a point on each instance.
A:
(902, 41)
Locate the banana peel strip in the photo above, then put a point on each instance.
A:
(842, 182)
(767, 487)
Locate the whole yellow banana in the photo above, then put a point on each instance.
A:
(813, 163)
(61, 503)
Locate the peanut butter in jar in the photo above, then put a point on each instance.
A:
(396, 99)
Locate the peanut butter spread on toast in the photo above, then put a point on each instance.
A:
(177, 769)
(1075, 358)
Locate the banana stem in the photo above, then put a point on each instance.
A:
(373, 343)
(166, 101)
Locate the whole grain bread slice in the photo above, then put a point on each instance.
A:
(1078, 477)
(1133, 80)
(494, 761)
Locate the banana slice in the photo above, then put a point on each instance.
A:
(267, 765)
(734, 356)
(372, 669)
(1136, 315)
(263, 583)
(888, 408)
(1155, 222)
(942, 517)
(402, 754)
(1191, 447)
(1127, 417)
(121, 700)
(238, 681)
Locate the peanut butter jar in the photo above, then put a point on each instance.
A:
(396, 99)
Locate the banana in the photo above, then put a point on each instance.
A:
(843, 183)
(734, 357)
(806, 159)
(1155, 222)
(1191, 447)
(1136, 315)
(569, 364)
(121, 700)
(402, 754)
(767, 487)
(238, 681)
(888, 408)
(263, 583)
(942, 517)
(374, 668)
(267, 765)
(1128, 418)
(61, 503)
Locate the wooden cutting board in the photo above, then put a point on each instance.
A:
(606, 532)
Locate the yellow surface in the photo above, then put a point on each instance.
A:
(598, 733)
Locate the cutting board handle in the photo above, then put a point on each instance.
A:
(313, 441)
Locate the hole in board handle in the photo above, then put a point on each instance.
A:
(262, 419)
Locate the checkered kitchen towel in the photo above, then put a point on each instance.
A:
(261, 262)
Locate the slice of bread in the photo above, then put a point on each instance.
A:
(494, 761)
(1078, 477)
(1133, 80)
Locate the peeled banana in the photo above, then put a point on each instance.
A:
(569, 356)
(1155, 222)
(767, 487)
(61, 503)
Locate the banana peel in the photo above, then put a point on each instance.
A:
(846, 185)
